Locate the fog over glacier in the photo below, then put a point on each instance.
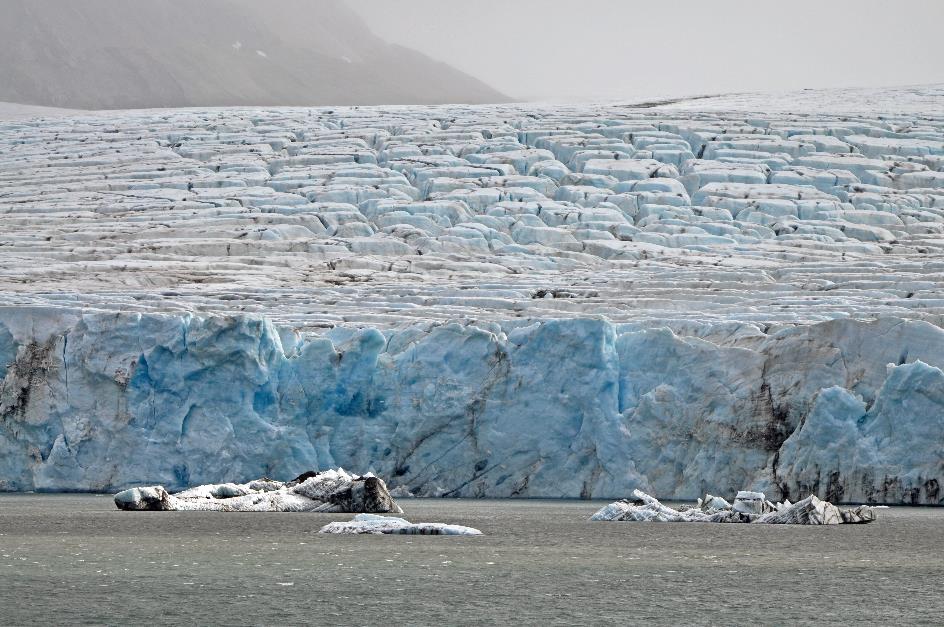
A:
(107, 54)
(606, 49)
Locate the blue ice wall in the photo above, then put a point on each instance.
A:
(851, 410)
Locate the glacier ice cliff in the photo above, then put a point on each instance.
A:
(848, 409)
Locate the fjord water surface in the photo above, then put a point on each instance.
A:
(67, 559)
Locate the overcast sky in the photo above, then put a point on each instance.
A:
(611, 49)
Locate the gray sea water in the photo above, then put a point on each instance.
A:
(75, 559)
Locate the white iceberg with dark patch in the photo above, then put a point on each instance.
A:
(373, 524)
(327, 491)
(748, 507)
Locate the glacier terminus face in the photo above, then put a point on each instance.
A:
(510, 300)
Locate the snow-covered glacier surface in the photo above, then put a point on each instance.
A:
(515, 300)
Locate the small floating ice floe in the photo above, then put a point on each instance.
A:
(326, 491)
(748, 507)
(371, 523)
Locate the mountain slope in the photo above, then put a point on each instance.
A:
(165, 53)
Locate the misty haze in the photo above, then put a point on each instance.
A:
(97, 54)
(440, 312)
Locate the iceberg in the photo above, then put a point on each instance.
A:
(748, 502)
(749, 507)
(328, 491)
(372, 524)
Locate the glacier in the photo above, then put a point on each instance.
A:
(496, 301)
